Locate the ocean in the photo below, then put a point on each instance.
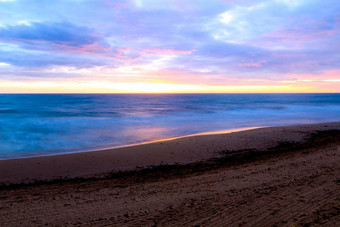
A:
(46, 124)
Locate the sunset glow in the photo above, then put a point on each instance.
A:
(108, 87)
(150, 46)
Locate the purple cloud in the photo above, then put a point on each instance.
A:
(196, 40)
(61, 33)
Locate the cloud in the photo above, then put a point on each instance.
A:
(165, 51)
(60, 33)
(34, 59)
(217, 41)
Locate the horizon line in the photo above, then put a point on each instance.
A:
(155, 93)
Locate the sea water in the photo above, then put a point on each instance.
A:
(45, 124)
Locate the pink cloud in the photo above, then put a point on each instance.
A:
(300, 32)
(230, 2)
(165, 51)
(251, 63)
(117, 6)
(97, 50)
(82, 49)
(288, 36)
(325, 75)
(203, 78)
(303, 29)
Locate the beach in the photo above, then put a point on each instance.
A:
(286, 175)
(170, 113)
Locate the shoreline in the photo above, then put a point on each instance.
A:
(101, 148)
(183, 150)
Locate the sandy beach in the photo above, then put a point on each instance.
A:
(275, 176)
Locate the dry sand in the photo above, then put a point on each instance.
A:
(263, 177)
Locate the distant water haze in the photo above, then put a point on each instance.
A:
(45, 124)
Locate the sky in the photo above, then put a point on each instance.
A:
(138, 46)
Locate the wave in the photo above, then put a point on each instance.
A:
(49, 124)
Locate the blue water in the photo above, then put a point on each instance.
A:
(33, 125)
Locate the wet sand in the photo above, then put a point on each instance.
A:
(279, 176)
